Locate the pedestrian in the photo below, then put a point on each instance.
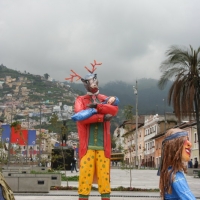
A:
(73, 165)
(176, 150)
(196, 164)
(190, 164)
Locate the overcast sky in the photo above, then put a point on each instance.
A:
(129, 37)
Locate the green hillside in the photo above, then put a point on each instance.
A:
(40, 90)
(150, 97)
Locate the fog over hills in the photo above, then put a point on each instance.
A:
(150, 97)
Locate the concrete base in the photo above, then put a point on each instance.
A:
(29, 184)
(32, 182)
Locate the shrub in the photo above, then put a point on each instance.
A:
(120, 188)
(69, 178)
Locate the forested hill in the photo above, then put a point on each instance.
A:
(150, 97)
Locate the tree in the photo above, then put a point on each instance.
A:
(128, 112)
(62, 129)
(46, 76)
(183, 64)
(113, 142)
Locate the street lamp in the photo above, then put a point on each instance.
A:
(40, 131)
(9, 144)
(40, 134)
(1, 122)
(130, 165)
(135, 88)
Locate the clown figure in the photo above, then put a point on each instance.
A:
(176, 150)
(93, 113)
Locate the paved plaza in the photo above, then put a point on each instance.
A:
(140, 179)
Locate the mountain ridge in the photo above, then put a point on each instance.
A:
(150, 97)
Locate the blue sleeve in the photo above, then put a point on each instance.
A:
(181, 187)
(84, 114)
(116, 102)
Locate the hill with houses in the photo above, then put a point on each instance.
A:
(26, 96)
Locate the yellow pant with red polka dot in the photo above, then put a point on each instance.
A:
(94, 162)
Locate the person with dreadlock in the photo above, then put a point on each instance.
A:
(93, 113)
(176, 149)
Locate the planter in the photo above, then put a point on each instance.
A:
(120, 188)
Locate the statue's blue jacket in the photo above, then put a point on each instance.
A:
(180, 189)
(84, 114)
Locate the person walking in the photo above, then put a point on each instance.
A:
(73, 165)
(196, 164)
(190, 164)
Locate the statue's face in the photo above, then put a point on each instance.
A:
(186, 152)
(91, 85)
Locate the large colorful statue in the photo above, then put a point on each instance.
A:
(93, 114)
(176, 149)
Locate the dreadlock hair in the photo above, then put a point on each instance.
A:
(172, 156)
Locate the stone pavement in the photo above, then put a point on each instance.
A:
(140, 179)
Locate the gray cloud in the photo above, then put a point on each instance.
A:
(129, 37)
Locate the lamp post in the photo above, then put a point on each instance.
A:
(9, 144)
(27, 142)
(135, 88)
(1, 121)
(40, 134)
(130, 166)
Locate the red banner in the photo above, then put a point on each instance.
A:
(19, 137)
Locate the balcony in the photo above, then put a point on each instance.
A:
(149, 151)
(148, 137)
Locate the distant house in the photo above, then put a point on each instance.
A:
(1, 84)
